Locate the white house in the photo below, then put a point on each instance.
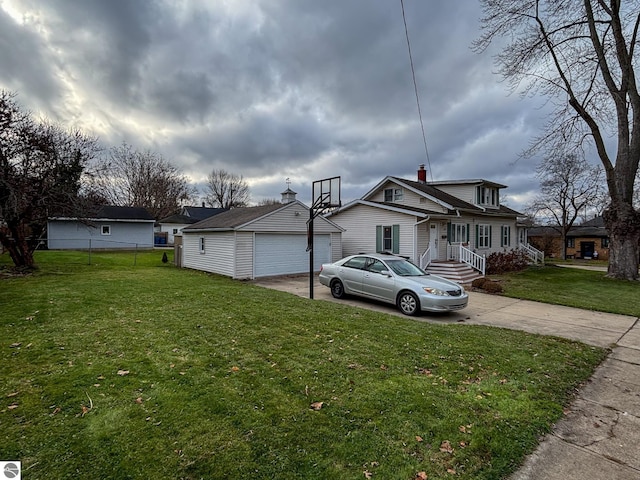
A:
(430, 222)
(250, 242)
(111, 227)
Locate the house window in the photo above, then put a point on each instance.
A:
(175, 231)
(484, 236)
(571, 242)
(105, 230)
(605, 243)
(393, 194)
(505, 236)
(458, 233)
(487, 196)
(388, 238)
(201, 244)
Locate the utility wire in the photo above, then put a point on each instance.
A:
(415, 87)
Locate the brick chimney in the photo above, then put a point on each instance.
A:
(422, 174)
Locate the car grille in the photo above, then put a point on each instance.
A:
(454, 293)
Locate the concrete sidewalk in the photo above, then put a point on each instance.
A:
(599, 437)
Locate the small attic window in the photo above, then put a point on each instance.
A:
(393, 194)
(488, 196)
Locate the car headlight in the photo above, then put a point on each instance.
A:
(435, 291)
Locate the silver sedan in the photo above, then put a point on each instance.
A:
(392, 279)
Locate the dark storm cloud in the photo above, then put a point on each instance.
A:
(272, 89)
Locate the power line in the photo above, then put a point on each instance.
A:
(415, 87)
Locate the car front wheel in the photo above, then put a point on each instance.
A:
(337, 289)
(408, 303)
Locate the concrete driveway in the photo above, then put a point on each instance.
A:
(599, 436)
(594, 328)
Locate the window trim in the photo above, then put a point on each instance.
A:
(105, 230)
(395, 194)
(458, 232)
(505, 236)
(483, 235)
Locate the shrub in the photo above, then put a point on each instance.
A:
(479, 282)
(492, 287)
(511, 261)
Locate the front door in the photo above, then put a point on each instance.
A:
(586, 249)
(434, 233)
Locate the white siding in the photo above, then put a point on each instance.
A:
(336, 247)
(69, 234)
(218, 256)
(360, 223)
(409, 199)
(465, 192)
(244, 255)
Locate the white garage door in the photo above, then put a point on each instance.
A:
(281, 254)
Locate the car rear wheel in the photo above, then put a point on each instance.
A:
(337, 289)
(408, 303)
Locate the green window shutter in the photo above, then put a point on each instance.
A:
(449, 232)
(490, 235)
(378, 238)
(477, 231)
(395, 232)
(468, 227)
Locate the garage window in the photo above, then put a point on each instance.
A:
(201, 244)
(105, 230)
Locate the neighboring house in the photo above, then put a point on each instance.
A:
(460, 220)
(250, 242)
(585, 241)
(111, 227)
(167, 228)
(200, 213)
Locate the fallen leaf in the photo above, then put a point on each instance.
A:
(451, 471)
(446, 447)
(122, 373)
(13, 407)
(139, 400)
(367, 474)
(56, 411)
(462, 429)
(85, 410)
(15, 345)
(317, 405)
(421, 476)
(384, 367)
(418, 438)
(9, 395)
(235, 369)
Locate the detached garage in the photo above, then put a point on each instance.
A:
(251, 242)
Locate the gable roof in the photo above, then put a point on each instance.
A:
(243, 216)
(451, 203)
(200, 213)
(114, 212)
(178, 219)
(235, 217)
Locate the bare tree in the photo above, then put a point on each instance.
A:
(568, 187)
(142, 179)
(581, 54)
(269, 201)
(41, 171)
(226, 190)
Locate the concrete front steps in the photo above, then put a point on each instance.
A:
(456, 271)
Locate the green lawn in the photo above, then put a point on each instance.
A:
(573, 287)
(130, 368)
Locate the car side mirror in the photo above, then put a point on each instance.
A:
(386, 273)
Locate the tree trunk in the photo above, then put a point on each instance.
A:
(623, 223)
(15, 242)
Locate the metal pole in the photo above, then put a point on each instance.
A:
(310, 246)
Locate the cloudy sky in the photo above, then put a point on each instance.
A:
(276, 89)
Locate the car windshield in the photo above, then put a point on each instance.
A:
(404, 268)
